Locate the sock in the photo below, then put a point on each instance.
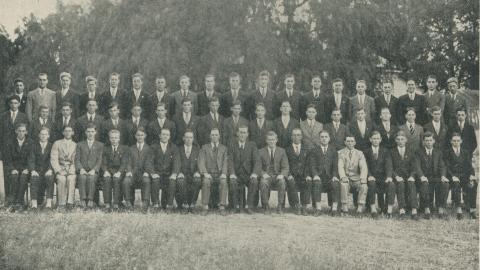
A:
(389, 209)
(334, 206)
(427, 210)
(440, 210)
(344, 208)
(34, 203)
(49, 203)
(459, 210)
(414, 211)
(402, 211)
(373, 208)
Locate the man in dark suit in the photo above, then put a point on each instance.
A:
(213, 166)
(323, 174)
(438, 128)
(337, 100)
(242, 162)
(337, 131)
(10, 119)
(160, 95)
(386, 100)
(16, 167)
(209, 121)
(432, 174)
(460, 174)
(453, 101)
(262, 94)
(433, 96)
(403, 172)
(133, 123)
(41, 172)
(164, 176)
(272, 164)
(90, 117)
(379, 179)
(186, 121)
(43, 120)
(114, 94)
(289, 94)
(235, 93)
(204, 97)
(315, 97)
(88, 161)
(20, 93)
(412, 100)
(296, 181)
(160, 122)
(114, 166)
(259, 127)
(113, 122)
(311, 128)
(137, 96)
(139, 171)
(387, 129)
(284, 125)
(466, 131)
(91, 94)
(189, 181)
(180, 95)
(231, 124)
(66, 95)
(362, 100)
(65, 119)
(361, 128)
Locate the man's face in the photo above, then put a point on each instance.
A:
(271, 141)
(140, 136)
(361, 88)
(242, 134)
(164, 136)
(350, 142)
(236, 110)
(21, 132)
(453, 87)
(360, 115)
(260, 112)
(336, 116)
(461, 116)
(90, 132)
(66, 111)
(316, 83)
(65, 81)
(14, 104)
(324, 138)
(68, 133)
(456, 141)
(285, 108)
(43, 136)
(376, 140)
(210, 83)
(296, 136)
(114, 80)
(160, 84)
(187, 107)
(214, 106)
(338, 87)
(214, 136)
(387, 88)
(137, 83)
(410, 116)
(188, 138)
(263, 81)
(114, 139)
(44, 113)
(92, 107)
(385, 115)
(428, 142)
(114, 112)
(432, 84)
(42, 81)
(289, 82)
(136, 111)
(436, 115)
(184, 84)
(91, 86)
(19, 87)
(411, 86)
(311, 113)
(401, 140)
(235, 82)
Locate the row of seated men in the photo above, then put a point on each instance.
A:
(417, 177)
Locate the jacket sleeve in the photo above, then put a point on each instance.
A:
(124, 162)
(176, 161)
(285, 169)
(341, 167)
(99, 159)
(29, 107)
(54, 158)
(225, 162)
(78, 158)
(31, 160)
(363, 167)
(149, 167)
(201, 161)
(231, 168)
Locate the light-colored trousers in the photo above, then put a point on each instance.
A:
(353, 186)
(65, 189)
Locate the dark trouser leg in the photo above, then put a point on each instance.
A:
(391, 189)
(172, 184)
(223, 191)
(292, 192)
(305, 192)
(34, 187)
(335, 191)
(146, 190)
(193, 190)
(316, 191)
(424, 195)
(433, 188)
(91, 186)
(40, 192)
(441, 194)
(234, 190)
(252, 193)
(471, 195)
(400, 190)
(281, 186)
(456, 193)
(206, 188)
(107, 190)
(117, 181)
(49, 185)
(22, 187)
(181, 193)
(372, 190)
(127, 188)
(10, 185)
(82, 186)
(155, 190)
(265, 190)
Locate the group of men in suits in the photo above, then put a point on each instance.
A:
(219, 144)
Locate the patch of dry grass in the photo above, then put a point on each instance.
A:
(126, 241)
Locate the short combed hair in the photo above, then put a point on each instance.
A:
(44, 128)
(400, 133)
(316, 75)
(361, 81)
(114, 131)
(455, 134)
(17, 80)
(209, 75)
(461, 109)
(311, 106)
(43, 107)
(140, 129)
(236, 102)
(19, 125)
(90, 79)
(137, 75)
(410, 109)
(289, 75)
(184, 77)
(67, 104)
(234, 75)
(242, 126)
(215, 129)
(186, 99)
(324, 132)
(260, 104)
(390, 81)
(375, 132)
(433, 77)
(427, 134)
(113, 104)
(189, 131)
(65, 74)
(436, 108)
(214, 99)
(160, 77)
(114, 74)
(91, 125)
(42, 74)
(337, 80)
(271, 134)
(264, 73)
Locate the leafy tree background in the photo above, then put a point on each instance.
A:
(351, 39)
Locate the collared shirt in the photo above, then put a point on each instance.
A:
(13, 115)
(114, 148)
(163, 146)
(361, 99)
(324, 149)
(66, 120)
(297, 148)
(311, 123)
(411, 96)
(271, 152)
(43, 145)
(19, 95)
(161, 122)
(115, 122)
(214, 146)
(436, 126)
(136, 120)
(64, 91)
(362, 126)
(234, 93)
(90, 143)
(188, 150)
(428, 151)
(375, 151)
(431, 93)
(338, 99)
(260, 122)
(289, 92)
(456, 150)
(91, 95)
(90, 117)
(137, 92)
(453, 96)
(316, 93)
(461, 125)
(387, 98)
(214, 116)
(235, 119)
(42, 121)
(184, 93)
(285, 120)
(209, 93)
(160, 94)
(336, 125)
(140, 146)
(263, 91)
(386, 125)
(411, 127)
(20, 142)
(401, 151)
(113, 91)
(241, 145)
(186, 117)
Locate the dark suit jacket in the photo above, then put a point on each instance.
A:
(280, 162)
(368, 106)
(362, 142)
(129, 101)
(469, 139)
(294, 103)
(337, 138)
(82, 123)
(388, 138)
(115, 162)
(297, 164)
(140, 161)
(154, 101)
(320, 103)
(441, 140)
(7, 128)
(38, 161)
(414, 140)
(89, 158)
(206, 125)
(451, 106)
(256, 97)
(16, 157)
(226, 101)
(181, 127)
(207, 163)
(188, 166)
(323, 164)
(131, 129)
(285, 134)
(71, 97)
(419, 103)
(257, 134)
(36, 126)
(344, 108)
(203, 102)
(23, 102)
(176, 98)
(242, 163)
(57, 129)
(459, 166)
(380, 103)
(405, 167)
(106, 99)
(107, 125)
(230, 129)
(381, 167)
(165, 163)
(153, 130)
(433, 168)
(437, 99)
(83, 100)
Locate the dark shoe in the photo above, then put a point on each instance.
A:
(144, 209)
(473, 215)
(115, 207)
(204, 212)
(303, 211)
(459, 216)
(298, 211)
(427, 216)
(222, 211)
(388, 215)
(334, 213)
(415, 217)
(266, 210)
(237, 210)
(375, 215)
(279, 210)
(443, 216)
(402, 216)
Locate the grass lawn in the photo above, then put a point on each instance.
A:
(95, 240)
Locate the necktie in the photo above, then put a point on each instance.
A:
(271, 156)
(296, 150)
(136, 122)
(187, 152)
(114, 151)
(337, 101)
(263, 92)
(412, 129)
(64, 121)
(215, 117)
(401, 150)
(457, 152)
(336, 126)
(234, 95)
(350, 153)
(43, 122)
(375, 154)
(43, 149)
(360, 100)
(90, 119)
(14, 115)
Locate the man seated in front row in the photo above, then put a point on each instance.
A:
(297, 160)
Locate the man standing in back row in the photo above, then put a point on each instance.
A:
(42, 96)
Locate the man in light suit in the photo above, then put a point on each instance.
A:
(311, 128)
(183, 93)
(386, 100)
(213, 166)
(337, 130)
(88, 159)
(66, 94)
(433, 96)
(234, 94)
(272, 164)
(42, 96)
(412, 130)
(362, 100)
(453, 101)
(62, 158)
(338, 101)
(263, 94)
(231, 124)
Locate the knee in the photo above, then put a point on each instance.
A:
(207, 182)
(281, 183)
(180, 182)
(223, 182)
(172, 181)
(264, 182)
(116, 180)
(291, 182)
(253, 181)
(61, 180)
(146, 180)
(363, 188)
(371, 185)
(127, 181)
